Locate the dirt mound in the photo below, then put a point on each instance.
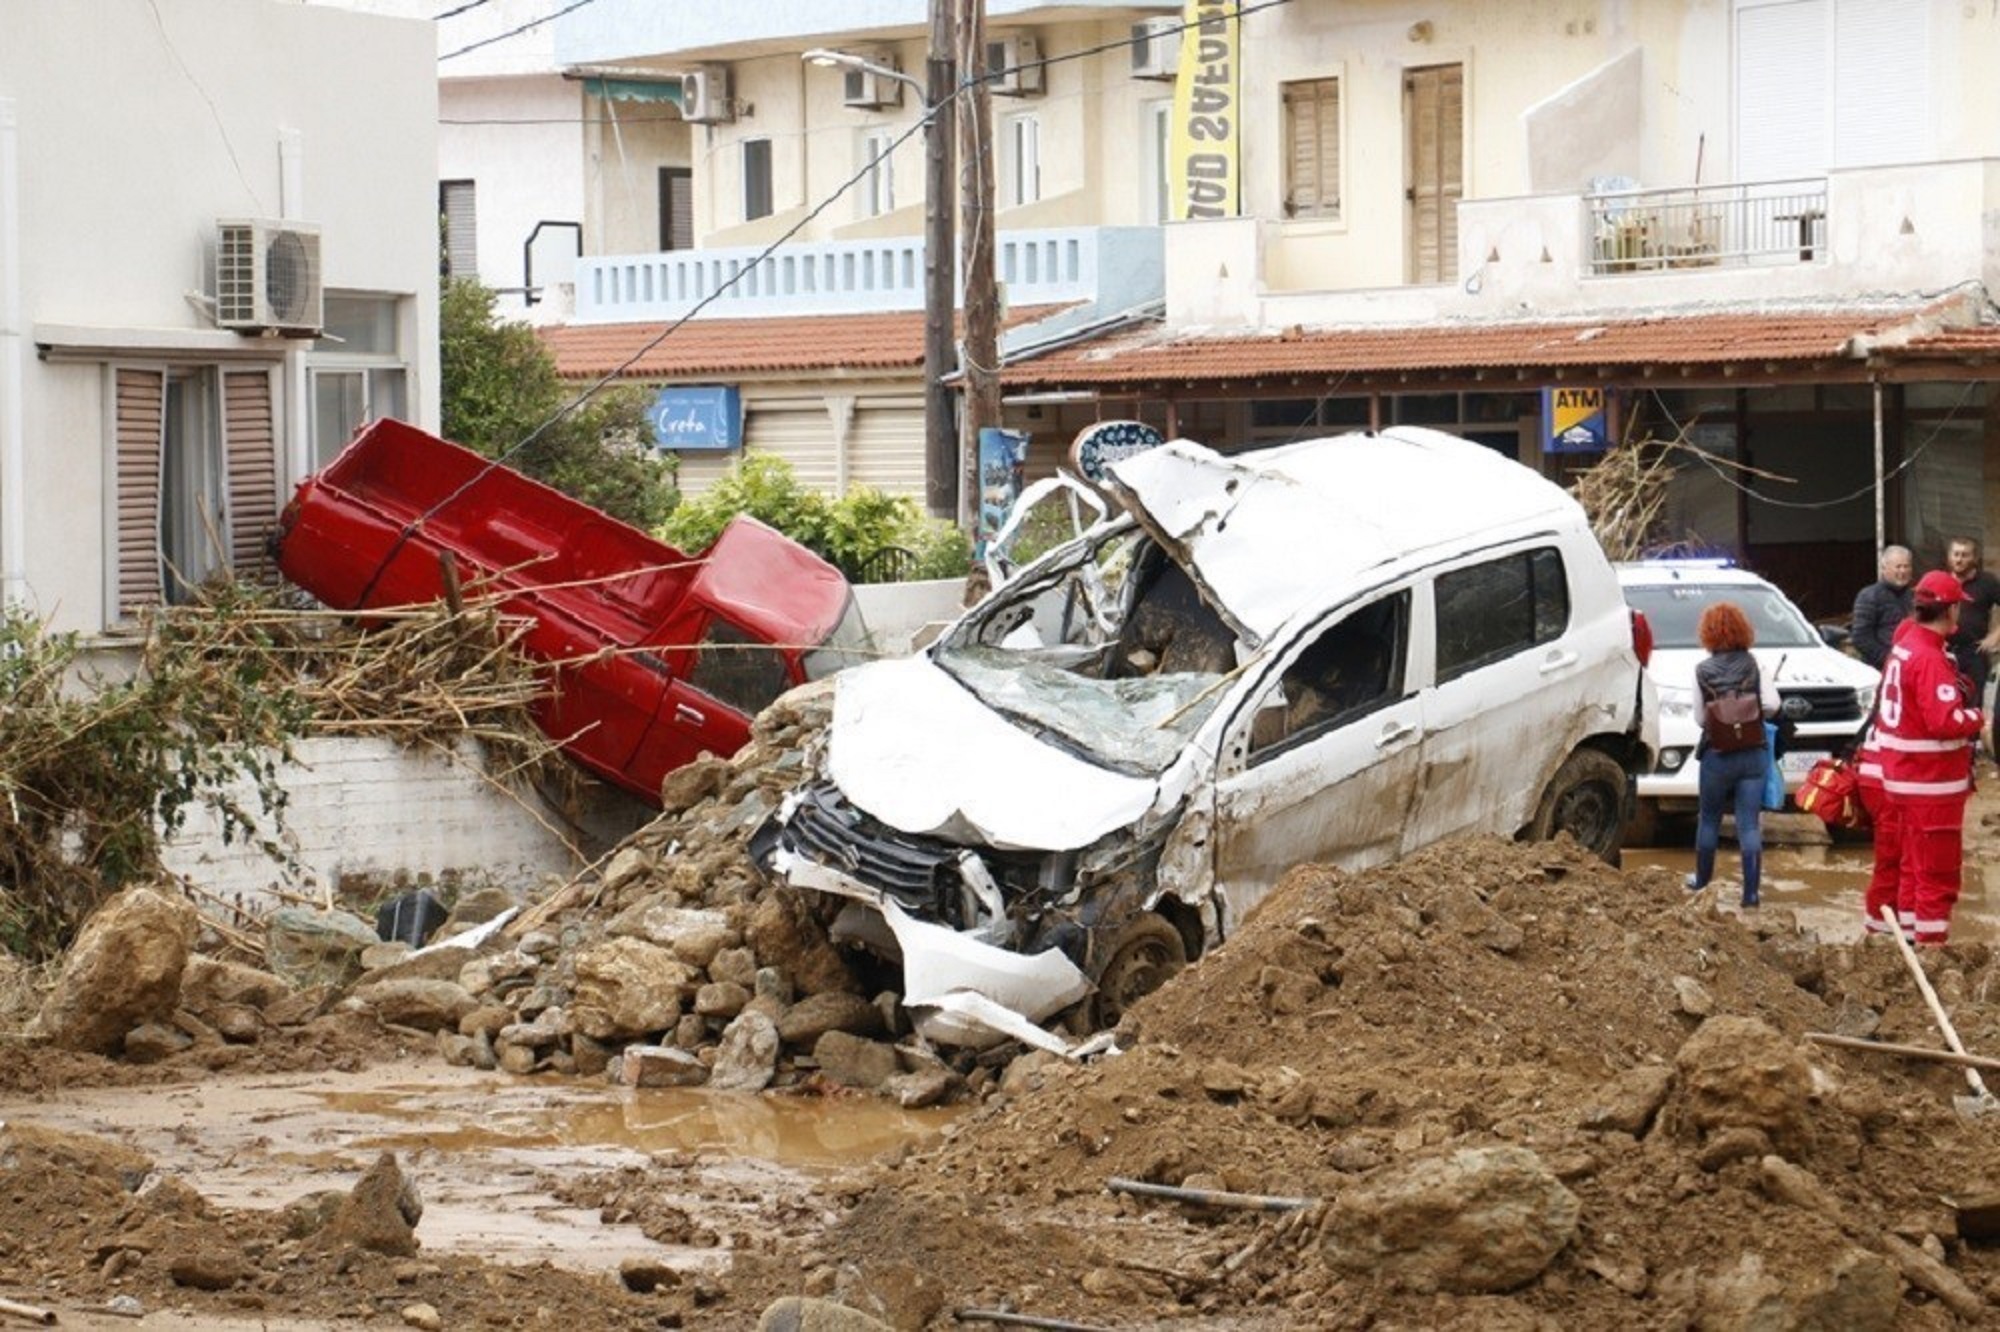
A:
(1644, 1046)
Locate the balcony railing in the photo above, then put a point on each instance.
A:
(1768, 222)
(1046, 267)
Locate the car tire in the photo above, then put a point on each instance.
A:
(1144, 955)
(1586, 799)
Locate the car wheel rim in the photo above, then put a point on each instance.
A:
(1590, 815)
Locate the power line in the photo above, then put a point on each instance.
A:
(515, 32)
(461, 9)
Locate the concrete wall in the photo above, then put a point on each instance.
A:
(126, 131)
(368, 808)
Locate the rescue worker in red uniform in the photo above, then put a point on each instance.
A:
(1925, 729)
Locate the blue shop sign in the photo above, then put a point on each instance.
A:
(687, 419)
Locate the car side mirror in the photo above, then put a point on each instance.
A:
(1834, 635)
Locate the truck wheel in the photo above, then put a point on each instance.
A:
(1586, 799)
(1146, 953)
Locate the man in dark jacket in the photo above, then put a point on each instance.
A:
(1967, 644)
(1882, 605)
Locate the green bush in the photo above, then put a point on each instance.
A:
(845, 532)
(500, 386)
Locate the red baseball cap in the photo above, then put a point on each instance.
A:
(1939, 588)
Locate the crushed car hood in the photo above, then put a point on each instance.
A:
(912, 747)
(1373, 499)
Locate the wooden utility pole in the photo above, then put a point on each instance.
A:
(941, 468)
(981, 357)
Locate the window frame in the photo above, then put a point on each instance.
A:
(878, 167)
(1546, 581)
(1322, 95)
(460, 253)
(1022, 156)
(1401, 604)
(759, 191)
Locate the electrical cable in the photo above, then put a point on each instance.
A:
(570, 8)
(584, 395)
(459, 9)
(1909, 460)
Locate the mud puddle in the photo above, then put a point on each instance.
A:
(1824, 885)
(488, 1152)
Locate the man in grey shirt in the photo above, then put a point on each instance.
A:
(1882, 605)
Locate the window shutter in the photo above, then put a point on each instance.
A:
(1434, 102)
(676, 208)
(141, 424)
(250, 442)
(1882, 83)
(461, 229)
(1781, 90)
(1312, 146)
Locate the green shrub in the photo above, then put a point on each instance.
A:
(845, 532)
(500, 386)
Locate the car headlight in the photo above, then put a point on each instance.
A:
(1864, 697)
(1676, 702)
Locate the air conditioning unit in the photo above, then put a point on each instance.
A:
(868, 90)
(1156, 48)
(705, 96)
(267, 277)
(1014, 66)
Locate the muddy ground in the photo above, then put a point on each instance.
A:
(1594, 1084)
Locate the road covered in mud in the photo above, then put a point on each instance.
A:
(1496, 1085)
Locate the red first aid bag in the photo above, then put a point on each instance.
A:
(1832, 792)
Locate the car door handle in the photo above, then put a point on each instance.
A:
(1392, 732)
(692, 716)
(1557, 661)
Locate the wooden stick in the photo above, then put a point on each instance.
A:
(1906, 1051)
(1930, 997)
(1207, 1197)
(46, 1317)
(1006, 1319)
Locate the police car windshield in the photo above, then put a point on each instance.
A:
(1674, 612)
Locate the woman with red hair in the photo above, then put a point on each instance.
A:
(1733, 764)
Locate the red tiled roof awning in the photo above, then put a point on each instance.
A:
(892, 341)
(1608, 345)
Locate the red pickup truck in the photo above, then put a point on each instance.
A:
(659, 655)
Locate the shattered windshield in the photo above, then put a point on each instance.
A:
(1109, 651)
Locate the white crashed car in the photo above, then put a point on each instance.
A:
(1336, 651)
(1823, 691)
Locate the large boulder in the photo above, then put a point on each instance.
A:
(1738, 1073)
(747, 1059)
(627, 988)
(209, 986)
(125, 969)
(309, 948)
(1480, 1221)
(427, 1005)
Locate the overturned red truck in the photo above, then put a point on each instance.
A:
(659, 656)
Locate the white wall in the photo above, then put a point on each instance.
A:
(137, 126)
(370, 808)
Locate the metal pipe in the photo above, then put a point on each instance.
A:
(1208, 1197)
(530, 293)
(13, 346)
(1881, 522)
(1006, 1319)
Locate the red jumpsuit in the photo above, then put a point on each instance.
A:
(1926, 731)
(1886, 818)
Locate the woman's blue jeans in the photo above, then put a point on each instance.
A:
(1738, 776)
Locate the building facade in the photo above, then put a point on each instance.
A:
(210, 272)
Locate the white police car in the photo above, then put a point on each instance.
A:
(1824, 692)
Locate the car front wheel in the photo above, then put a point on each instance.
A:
(1147, 952)
(1586, 799)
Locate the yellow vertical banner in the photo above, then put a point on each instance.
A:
(1202, 157)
